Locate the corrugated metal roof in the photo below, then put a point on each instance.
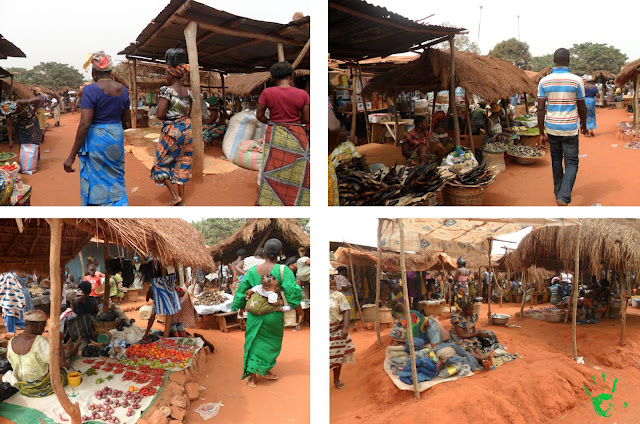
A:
(4, 73)
(359, 30)
(238, 53)
(8, 49)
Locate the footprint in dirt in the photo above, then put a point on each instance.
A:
(599, 400)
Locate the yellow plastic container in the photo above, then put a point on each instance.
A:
(74, 378)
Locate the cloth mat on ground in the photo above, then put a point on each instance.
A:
(212, 165)
(633, 144)
(421, 386)
(212, 309)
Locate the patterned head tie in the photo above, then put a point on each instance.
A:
(8, 107)
(100, 61)
(178, 71)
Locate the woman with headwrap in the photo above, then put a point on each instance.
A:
(263, 337)
(591, 93)
(21, 115)
(99, 142)
(284, 180)
(214, 126)
(463, 332)
(175, 148)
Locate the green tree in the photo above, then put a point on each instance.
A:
(514, 51)
(304, 223)
(462, 42)
(215, 230)
(52, 75)
(539, 63)
(589, 57)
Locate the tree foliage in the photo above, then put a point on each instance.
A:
(539, 63)
(215, 230)
(52, 75)
(589, 57)
(514, 51)
(461, 42)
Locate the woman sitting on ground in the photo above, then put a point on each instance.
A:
(215, 125)
(463, 332)
(28, 354)
(493, 127)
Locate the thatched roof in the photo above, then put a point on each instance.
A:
(601, 75)
(255, 231)
(604, 244)
(390, 261)
(246, 84)
(44, 90)
(628, 72)
(486, 76)
(19, 90)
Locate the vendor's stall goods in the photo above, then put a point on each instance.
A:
(210, 298)
(5, 156)
(525, 151)
(535, 131)
(478, 175)
(164, 353)
(395, 186)
(468, 189)
(495, 147)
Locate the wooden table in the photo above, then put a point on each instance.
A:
(222, 321)
(391, 126)
(538, 297)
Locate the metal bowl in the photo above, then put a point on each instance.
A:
(500, 319)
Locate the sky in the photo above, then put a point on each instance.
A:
(364, 231)
(545, 25)
(79, 28)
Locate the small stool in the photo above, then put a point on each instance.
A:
(222, 321)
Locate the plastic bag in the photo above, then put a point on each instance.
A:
(6, 391)
(209, 410)
(29, 158)
(450, 370)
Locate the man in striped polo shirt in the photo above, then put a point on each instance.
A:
(563, 93)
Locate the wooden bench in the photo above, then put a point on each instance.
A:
(222, 321)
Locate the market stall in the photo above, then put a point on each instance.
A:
(630, 73)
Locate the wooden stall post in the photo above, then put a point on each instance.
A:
(575, 295)
(623, 311)
(505, 104)
(134, 82)
(525, 286)
(364, 104)
(130, 68)
(197, 167)
(452, 91)
(501, 291)
(355, 289)
(107, 279)
(469, 129)
(378, 278)
(224, 91)
(636, 119)
(396, 112)
(407, 313)
(301, 55)
(490, 280)
(433, 112)
(73, 409)
(354, 106)
(280, 52)
(81, 264)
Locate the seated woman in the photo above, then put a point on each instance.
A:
(415, 143)
(85, 308)
(556, 291)
(214, 127)
(594, 304)
(493, 127)
(28, 354)
(439, 139)
(463, 332)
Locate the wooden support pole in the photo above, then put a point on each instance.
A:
(73, 409)
(501, 291)
(302, 54)
(490, 279)
(197, 166)
(576, 284)
(524, 285)
(452, 94)
(636, 119)
(107, 279)
(364, 103)
(130, 68)
(280, 52)
(433, 112)
(224, 91)
(407, 313)
(469, 129)
(396, 113)
(506, 110)
(354, 107)
(355, 289)
(134, 82)
(81, 265)
(378, 278)
(626, 292)
(480, 282)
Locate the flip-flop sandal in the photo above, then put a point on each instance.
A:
(180, 203)
(252, 385)
(271, 377)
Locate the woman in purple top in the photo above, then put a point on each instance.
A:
(591, 93)
(100, 138)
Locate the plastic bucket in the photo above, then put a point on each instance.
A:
(74, 378)
(477, 308)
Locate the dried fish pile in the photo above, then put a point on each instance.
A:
(525, 151)
(478, 176)
(495, 147)
(397, 186)
(209, 298)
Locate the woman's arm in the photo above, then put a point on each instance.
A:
(152, 319)
(126, 118)
(346, 321)
(260, 113)
(292, 290)
(305, 114)
(239, 301)
(237, 265)
(10, 131)
(86, 116)
(161, 110)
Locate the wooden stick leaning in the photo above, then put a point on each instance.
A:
(353, 284)
(378, 278)
(576, 284)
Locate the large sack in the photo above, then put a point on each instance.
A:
(29, 158)
(249, 155)
(261, 132)
(242, 126)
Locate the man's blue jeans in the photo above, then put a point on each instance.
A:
(564, 147)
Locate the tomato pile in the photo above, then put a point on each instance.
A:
(164, 353)
(10, 166)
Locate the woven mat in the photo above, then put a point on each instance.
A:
(212, 166)
(633, 144)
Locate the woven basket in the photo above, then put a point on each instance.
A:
(526, 160)
(131, 295)
(433, 309)
(105, 326)
(369, 314)
(101, 345)
(455, 195)
(529, 140)
(496, 160)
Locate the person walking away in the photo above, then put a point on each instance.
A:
(55, 107)
(175, 148)
(341, 348)
(12, 301)
(285, 179)
(591, 93)
(40, 112)
(99, 142)
(564, 94)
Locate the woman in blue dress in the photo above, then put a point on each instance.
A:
(591, 93)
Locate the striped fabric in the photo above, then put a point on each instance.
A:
(165, 297)
(11, 297)
(561, 89)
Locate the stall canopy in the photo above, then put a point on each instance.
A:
(19, 90)
(225, 41)
(390, 261)
(358, 30)
(486, 76)
(247, 84)
(8, 49)
(254, 232)
(629, 72)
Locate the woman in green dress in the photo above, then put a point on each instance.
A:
(263, 337)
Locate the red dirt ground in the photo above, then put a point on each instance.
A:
(285, 400)
(544, 386)
(607, 175)
(52, 186)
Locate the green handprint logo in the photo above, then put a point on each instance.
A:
(598, 401)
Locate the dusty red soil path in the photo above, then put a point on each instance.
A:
(607, 175)
(285, 400)
(544, 386)
(52, 186)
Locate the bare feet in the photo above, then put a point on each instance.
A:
(339, 384)
(488, 363)
(176, 201)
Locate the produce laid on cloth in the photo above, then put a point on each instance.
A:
(169, 353)
(10, 167)
(113, 400)
(495, 147)
(210, 298)
(460, 160)
(526, 118)
(529, 131)
(526, 151)
(395, 186)
(5, 156)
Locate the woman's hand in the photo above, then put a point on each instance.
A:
(345, 331)
(68, 164)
